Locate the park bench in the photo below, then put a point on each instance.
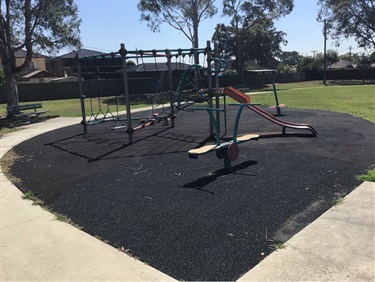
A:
(20, 111)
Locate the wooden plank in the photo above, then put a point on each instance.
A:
(247, 137)
(202, 150)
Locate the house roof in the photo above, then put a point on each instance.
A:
(252, 65)
(33, 74)
(159, 67)
(22, 54)
(342, 64)
(82, 53)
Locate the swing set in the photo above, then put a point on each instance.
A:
(96, 85)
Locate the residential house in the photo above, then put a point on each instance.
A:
(66, 65)
(36, 71)
(38, 61)
(252, 66)
(98, 63)
(342, 64)
(36, 68)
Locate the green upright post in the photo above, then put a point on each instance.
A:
(81, 95)
(129, 128)
(171, 95)
(209, 77)
(276, 99)
(217, 98)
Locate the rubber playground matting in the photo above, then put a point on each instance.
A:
(190, 218)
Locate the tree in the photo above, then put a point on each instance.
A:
(332, 57)
(372, 57)
(346, 56)
(41, 25)
(350, 18)
(130, 63)
(289, 57)
(283, 68)
(184, 16)
(251, 33)
(1, 77)
(363, 60)
(312, 67)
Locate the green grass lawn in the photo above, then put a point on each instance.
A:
(345, 97)
(357, 100)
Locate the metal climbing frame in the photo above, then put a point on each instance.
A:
(174, 96)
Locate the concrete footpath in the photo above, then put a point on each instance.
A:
(338, 246)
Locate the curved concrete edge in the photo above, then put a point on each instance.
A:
(37, 247)
(338, 246)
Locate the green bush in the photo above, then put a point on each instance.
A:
(311, 67)
(230, 72)
(282, 68)
(2, 80)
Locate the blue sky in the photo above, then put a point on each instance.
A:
(107, 23)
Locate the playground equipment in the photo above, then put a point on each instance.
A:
(240, 97)
(277, 105)
(187, 92)
(229, 150)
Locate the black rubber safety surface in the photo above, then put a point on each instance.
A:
(190, 218)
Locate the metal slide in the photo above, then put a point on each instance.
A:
(240, 97)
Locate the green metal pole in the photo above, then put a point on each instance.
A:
(171, 94)
(129, 128)
(217, 98)
(209, 77)
(81, 95)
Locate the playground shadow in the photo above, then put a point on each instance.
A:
(98, 146)
(200, 183)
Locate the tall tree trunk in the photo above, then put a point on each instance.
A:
(240, 62)
(8, 61)
(11, 88)
(195, 30)
(239, 54)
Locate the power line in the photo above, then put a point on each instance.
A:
(307, 32)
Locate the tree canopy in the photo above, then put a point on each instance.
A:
(289, 57)
(184, 16)
(34, 25)
(251, 33)
(350, 18)
(332, 57)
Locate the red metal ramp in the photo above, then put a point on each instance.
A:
(240, 97)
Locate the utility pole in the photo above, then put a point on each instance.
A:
(136, 55)
(350, 51)
(325, 51)
(314, 52)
